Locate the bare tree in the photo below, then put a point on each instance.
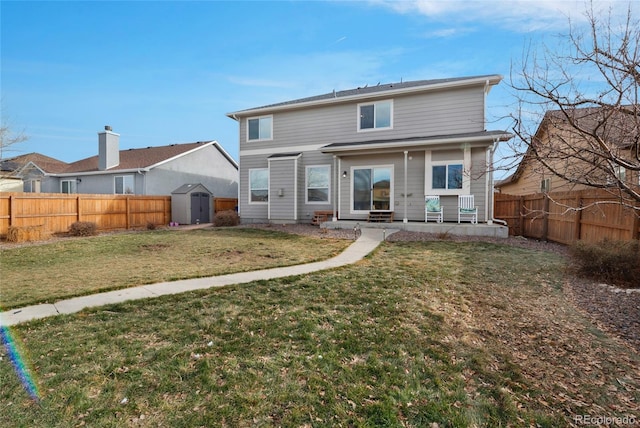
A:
(578, 115)
(8, 136)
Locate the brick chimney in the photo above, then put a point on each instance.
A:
(108, 149)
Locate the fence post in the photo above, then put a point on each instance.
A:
(12, 210)
(577, 231)
(78, 216)
(545, 218)
(635, 232)
(128, 212)
(521, 216)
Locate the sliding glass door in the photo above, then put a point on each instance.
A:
(372, 189)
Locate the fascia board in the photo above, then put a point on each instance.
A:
(420, 143)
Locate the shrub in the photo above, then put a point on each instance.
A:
(614, 262)
(26, 233)
(226, 218)
(151, 226)
(83, 228)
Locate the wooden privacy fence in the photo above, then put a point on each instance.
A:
(55, 212)
(225, 204)
(566, 217)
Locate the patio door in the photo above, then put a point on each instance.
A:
(372, 189)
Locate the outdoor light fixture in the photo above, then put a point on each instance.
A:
(344, 174)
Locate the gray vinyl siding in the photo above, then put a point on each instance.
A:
(251, 212)
(283, 178)
(436, 113)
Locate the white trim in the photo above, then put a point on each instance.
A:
(339, 185)
(466, 174)
(270, 116)
(306, 185)
(375, 114)
(295, 187)
(409, 145)
(278, 150)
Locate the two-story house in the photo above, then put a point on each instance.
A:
(375, 148)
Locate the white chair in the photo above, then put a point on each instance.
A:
(467, 209)
(432, 209)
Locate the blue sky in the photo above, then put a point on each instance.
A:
(165, 72)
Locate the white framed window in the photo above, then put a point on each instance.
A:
(260, 128)
(318, 184)
(68, 186)
(123, 185)
(376, 115)
(545, 185)
(621, 173)
(448, 177)
(32, 186)
(259, 186)
(371, 188)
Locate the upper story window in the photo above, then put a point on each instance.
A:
(123, 185)
(260, 128)
(378, 115)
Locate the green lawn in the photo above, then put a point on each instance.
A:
(461, 334)
(67, 268)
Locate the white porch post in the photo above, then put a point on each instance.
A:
(406, 164)
(336, 180)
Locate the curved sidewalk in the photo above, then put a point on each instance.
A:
(366, 243)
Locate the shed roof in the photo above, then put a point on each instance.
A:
(188, 188)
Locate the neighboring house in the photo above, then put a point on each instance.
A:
(34, 171)
(567, 150)
(149, 171)
(376, 148)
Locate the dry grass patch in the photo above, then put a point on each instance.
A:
(67, 268)
(456, 334)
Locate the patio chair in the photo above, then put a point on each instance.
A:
(432, 208)
(467, 209)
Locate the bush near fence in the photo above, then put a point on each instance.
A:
(566, 217)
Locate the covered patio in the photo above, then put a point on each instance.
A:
(491, 230)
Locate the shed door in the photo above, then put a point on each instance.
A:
(199, 208)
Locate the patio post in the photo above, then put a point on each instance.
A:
(406, 164)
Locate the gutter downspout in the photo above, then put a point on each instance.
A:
(490, 151)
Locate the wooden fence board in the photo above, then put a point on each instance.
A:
(565, 217)
(56, 212)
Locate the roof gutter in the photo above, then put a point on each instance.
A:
(419, 143)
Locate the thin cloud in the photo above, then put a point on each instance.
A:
(517, 15)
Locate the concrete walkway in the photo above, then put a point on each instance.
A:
(366, 243)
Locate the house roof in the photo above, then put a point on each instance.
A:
(620, 129)
(403, 143)
(144, 158)
(45, 163)
(366, 91)
(614, 126)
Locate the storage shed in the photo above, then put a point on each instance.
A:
(191, 204)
